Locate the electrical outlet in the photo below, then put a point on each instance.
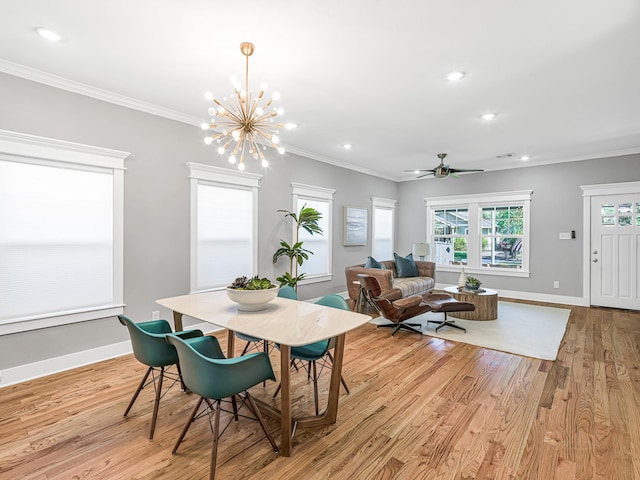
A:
(556, 284)
(564, 236)
(155, 315)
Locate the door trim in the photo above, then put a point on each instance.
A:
(589, 191)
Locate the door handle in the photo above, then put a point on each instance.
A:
(595, 260)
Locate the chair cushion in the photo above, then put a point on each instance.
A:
(373, 263)
(405, 266)
(413, 286)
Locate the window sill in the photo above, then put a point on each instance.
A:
(316, 279)
(502, 272)
(17, 325)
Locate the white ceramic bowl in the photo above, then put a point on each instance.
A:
(252, 300)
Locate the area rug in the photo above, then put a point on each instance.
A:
(523, 329)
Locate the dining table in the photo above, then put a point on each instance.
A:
(288, 323)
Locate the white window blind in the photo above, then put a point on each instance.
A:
(225, 235)
(382, 232)
(318, 263)
(60, 234)
(318, 267)
(224, 226)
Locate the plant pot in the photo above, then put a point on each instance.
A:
(252, 300)
(471, 286)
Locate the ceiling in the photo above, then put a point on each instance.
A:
(563, 77)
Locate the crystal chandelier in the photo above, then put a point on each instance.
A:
(245, 126)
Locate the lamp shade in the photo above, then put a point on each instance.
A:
(421, 250)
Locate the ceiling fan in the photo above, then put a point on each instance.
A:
(442, 170)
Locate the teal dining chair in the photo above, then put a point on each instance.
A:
(150, 348)
(313, 352)
(284, 292)
(208, 374)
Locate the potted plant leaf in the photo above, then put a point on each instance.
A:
(307, 219)
(472, 283)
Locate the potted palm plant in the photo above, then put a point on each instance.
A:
(307, 219)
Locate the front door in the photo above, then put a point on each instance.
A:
(615, 251)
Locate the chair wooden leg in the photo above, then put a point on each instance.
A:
(140, 387)
(156, 403)
(315, 387)
(188, 424)
(260, 419)
(214, 448)
(235, 407)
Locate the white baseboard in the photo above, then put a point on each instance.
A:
(536, 297)
(31, 371)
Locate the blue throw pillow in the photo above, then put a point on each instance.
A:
(405, 266)
(373, 263)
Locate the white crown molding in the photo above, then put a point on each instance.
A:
(93, 92)
(337, 163)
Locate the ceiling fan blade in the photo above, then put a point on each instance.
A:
(418, 170)
(458, 170)
(425, 174)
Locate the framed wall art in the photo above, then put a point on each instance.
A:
(355, 226)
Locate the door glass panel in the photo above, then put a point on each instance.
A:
(625, 208)
(608, 209)
(608, 220)
(624, 220)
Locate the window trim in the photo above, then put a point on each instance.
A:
(384, 204)
(474, 204)
(25, 148)
(311, 192)
(221, 177)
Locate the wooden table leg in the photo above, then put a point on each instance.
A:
(177, 321)
(285, 400)
(336, 375)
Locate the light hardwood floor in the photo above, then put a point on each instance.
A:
(419, 408)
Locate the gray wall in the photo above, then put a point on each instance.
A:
(157, 208)
(156, 243)
(556, 206)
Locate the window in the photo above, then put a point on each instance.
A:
(484, 233)
(61, 211)
(382, 228)
(224, 225)
(318, 267)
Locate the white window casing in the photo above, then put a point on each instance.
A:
(474, 204)
(319, 266)
(61, 243)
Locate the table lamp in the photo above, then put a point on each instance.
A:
(421, 250)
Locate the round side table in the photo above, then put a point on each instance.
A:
(486, 303)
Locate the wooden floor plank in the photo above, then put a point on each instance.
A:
(419, 408)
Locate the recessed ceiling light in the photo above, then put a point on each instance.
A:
(48, 34)
(525, 158)
(347, 146)
(488, 116)
(455, 76)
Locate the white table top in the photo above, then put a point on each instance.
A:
(284, 321)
